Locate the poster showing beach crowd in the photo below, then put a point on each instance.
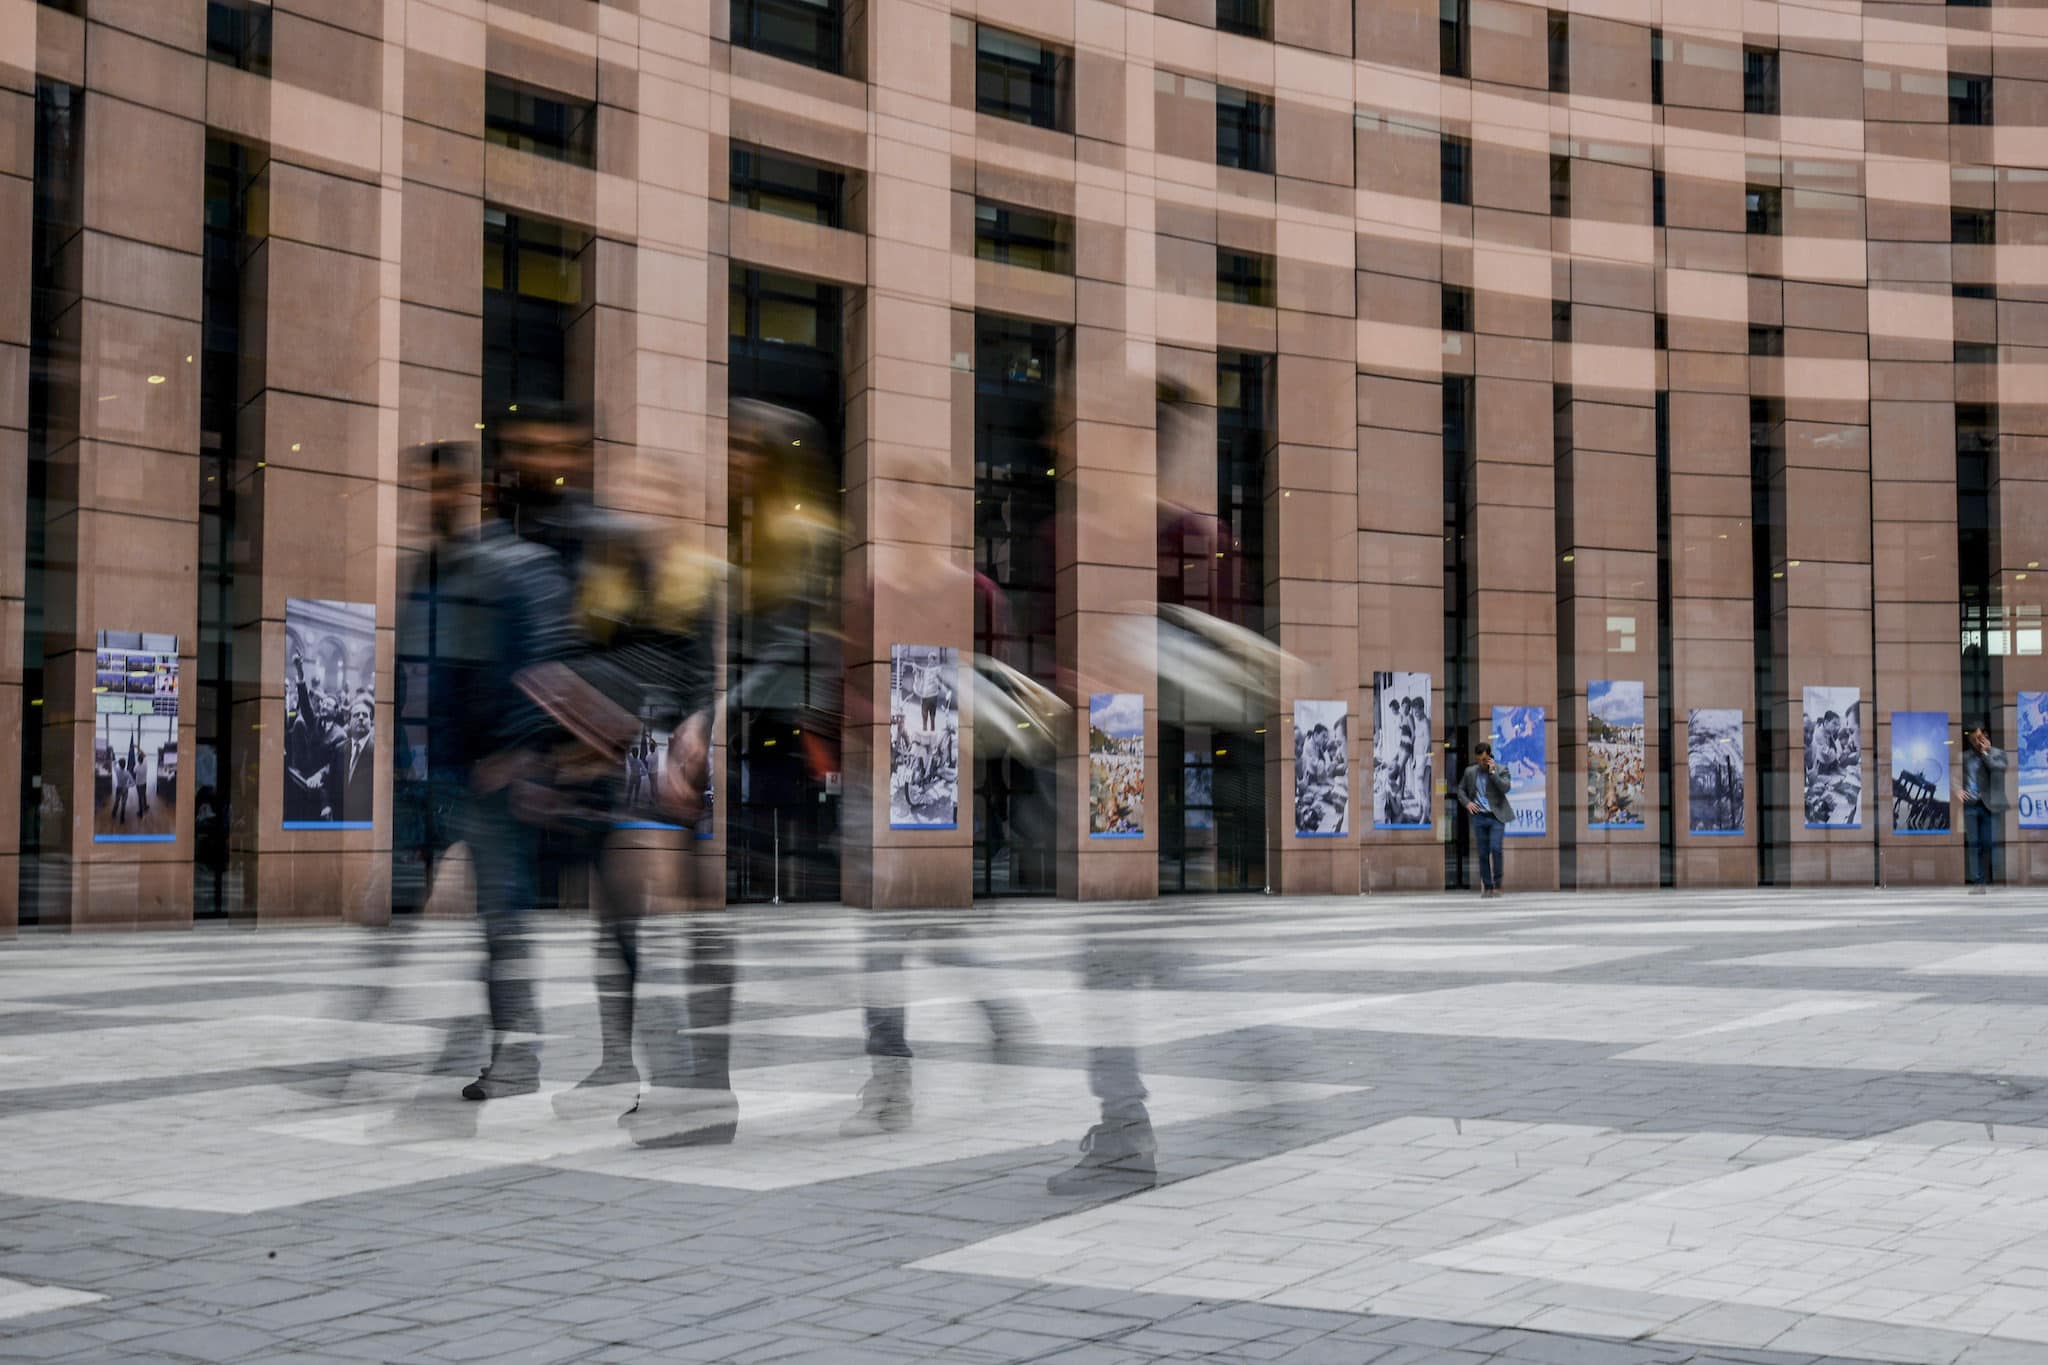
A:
(1402, 772)
(1322, 770)
(1713, 765)
(1116, 765)
(1519, 745)
(135, 738)
(1832, 726)
(2032, 760)
(1920, 768)
(1614, 755)
(924, 737)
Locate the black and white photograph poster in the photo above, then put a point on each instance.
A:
(1833, 729)
(1322, 769)
(1713, 767)
(330, 714)
(924, 737)
(640, 772)
(135, 738)
(1402, 772)
(1920, 786)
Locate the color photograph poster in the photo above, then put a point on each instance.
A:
(1920, 786)
(135, 738)
(1713, 771)
(1322, 769)
(330, 713)
(924, 737)
(1116, 765)
(1614, 755)
(1519, 745)
(1402, 789)
(2032, 760)
(1833, 728)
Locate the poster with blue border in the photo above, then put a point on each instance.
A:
(135, 738)
(1920, 773)
(2032, 760)
(1520, 744)
(1614, 755)
(1116, 765)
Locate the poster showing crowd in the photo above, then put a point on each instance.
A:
(135, 738)
(330, 712)
(1403, 795)
(1614, 755)
(1920, 787)
(1833, 731)
(1520, 746)
(1713, 771)
(2032, 760)
(924, 737)
(645, 760)
(1116, 765)
(1322, 769)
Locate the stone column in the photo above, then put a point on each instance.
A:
(909, 458)
(122, 516)
(17, 229)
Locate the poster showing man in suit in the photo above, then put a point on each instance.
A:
(330, 714)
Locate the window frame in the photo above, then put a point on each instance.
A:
(1973, 108)
(1557, 32)
(525, 128)
(1252, 128)
(1454, 39)
(1044, 81)
(1761, 80)
(1009, 234)
(1251, 278)
(1769, 210)
(1247, 18)
(750, 185)
(823, 17)
(1454, 147)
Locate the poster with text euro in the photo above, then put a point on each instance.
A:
(1519, 745)
(1831, 724)
(135, 738)
(924, 737)
(2032, 760)
(1116, 765)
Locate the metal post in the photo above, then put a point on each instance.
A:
(778, 856)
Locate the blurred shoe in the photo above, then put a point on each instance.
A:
(604, 1091)
(1117, 1157)
(666, 1116)
(514, 1070)
(885, 1103)
(1977, 890)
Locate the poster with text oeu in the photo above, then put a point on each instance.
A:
(924, 737)
(2032, 760)
(135, 738)
(1116, 765)
(1920, 786)
(330, 713)
(1713, 771)
(1832, 724)
(1322, 769)
(1614, 755)
(1519, 745)
(1403, 795)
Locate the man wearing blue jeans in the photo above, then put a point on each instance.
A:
(1983, 807)
(1483, 787)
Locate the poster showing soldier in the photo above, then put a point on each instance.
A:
(1116, 765)
(1322, 770)
(1402, 776)
(1833, 740)
(330, 712)
(2032, 760)
(1920, 785)
(135, 738)
(1713, 766)
(924, 737)
(1520, 745)
(1614, 755)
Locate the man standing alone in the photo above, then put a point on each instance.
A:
(1483, 787)
(1983, 807)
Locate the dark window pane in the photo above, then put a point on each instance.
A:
(1656, 66)
(1969, 100)
(1971, 227)
(1561, 320)
(1759, 80)
(1016, 77)
(785, 186)
(1974, 291)
(1559, 28)
(1560, 186)
(1457, 308)
(1657, 199)
(1456, 156)
(1023, 237)
(543, 122)
(1762, 208)
(1454, 27)
(238, 34)
(1976, 353)
(1249, 17)
(1244, 277)
(805, 31)
(1244, 130)
(1767, 341)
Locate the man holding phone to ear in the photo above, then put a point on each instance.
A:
(1483, 790)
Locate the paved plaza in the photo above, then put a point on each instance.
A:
(1758, 1127)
